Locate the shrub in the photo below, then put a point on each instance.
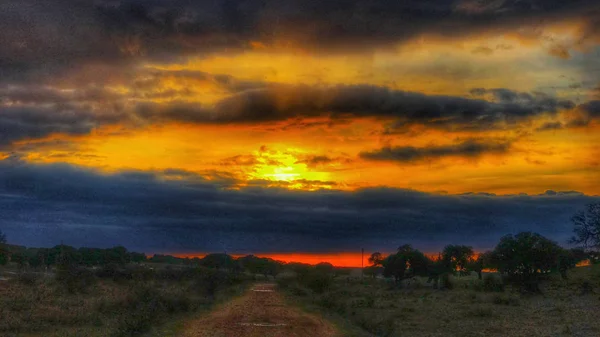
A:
(493, 283)
(505, 300)
(378, 325)
(446, 282)
(482, 311)
(28, 279)
(318, 282)
(75, 279)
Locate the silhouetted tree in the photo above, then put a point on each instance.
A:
(324, 267)
(117, 255)
(217, 261)
(407, 262)
(457, 256)
(34, 258)
(568, 259)
(586, 225)
(524, 257)
(139, 257)
(20, 258)
(259, 265)
(479, 263)
(3, 250)
(376, 259)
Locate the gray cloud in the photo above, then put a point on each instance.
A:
(41, 39)
(550, 126)
(46, 109)
(176, 211)
(466, 149)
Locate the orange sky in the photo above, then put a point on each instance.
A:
(278, 151)
(344, 259)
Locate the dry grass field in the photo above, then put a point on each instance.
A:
(32, 305)
(565, 308)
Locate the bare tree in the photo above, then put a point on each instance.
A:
(586, 225)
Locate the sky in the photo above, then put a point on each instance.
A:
(296, 127)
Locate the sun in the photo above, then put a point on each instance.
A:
(285, 168)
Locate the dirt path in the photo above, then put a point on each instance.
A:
(262, 311)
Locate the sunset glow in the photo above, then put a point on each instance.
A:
(298, 126)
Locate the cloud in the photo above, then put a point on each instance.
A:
(321, 161)
(37, 111)
(483, 50)
(175, 210)
(21, 122)
(550, 126)
(282, 102)
(41, 39)
(406, 154)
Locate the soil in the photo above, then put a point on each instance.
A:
(261, 312)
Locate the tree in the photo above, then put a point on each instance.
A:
(376, 259)
(117, 255)
(20, 258)
(477, 264)
(407, 262)
(217, 261)
(586, 225)
(457, 257)
(3, 251)
(524, 257)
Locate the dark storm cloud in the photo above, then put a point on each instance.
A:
(592, 108)
(466, 149)
(276, 103)
(41, 38)
(174, 210)
(47, 110)
(550, 126)
(23, 122)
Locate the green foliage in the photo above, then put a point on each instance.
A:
(493, 283)
(506, 300)
(145, 306)
(457, 256)
(20, 258)
(75, 279)
(524, 257)
(259, 265)
(407, 262)
(28, 279)
(3, 258)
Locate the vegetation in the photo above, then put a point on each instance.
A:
(68, 291)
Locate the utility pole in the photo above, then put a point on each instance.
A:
(362, 262)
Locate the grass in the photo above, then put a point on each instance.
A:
(472, 308)
(132, 302)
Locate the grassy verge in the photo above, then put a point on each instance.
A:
(471, 308)
(113, 302)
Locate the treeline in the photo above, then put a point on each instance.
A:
(62, 255)
(524, 259)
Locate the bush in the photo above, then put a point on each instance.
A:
(506, 300)
(28, 279)
(492, 283)
(482, 311)
(318, 282)
(378, 325)
(142, 309)
(75, 279)
(446, 282)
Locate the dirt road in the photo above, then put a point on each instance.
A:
(261, 312)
